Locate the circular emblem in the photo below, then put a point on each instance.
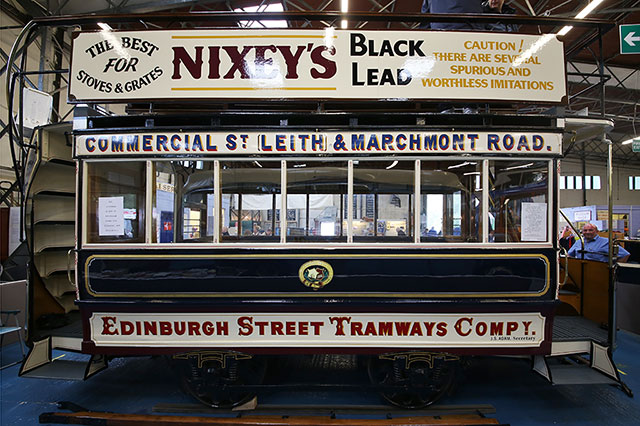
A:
(315, 274)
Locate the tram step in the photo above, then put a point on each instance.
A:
(578, 375)
(40, 364)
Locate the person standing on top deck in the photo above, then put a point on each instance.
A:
(498, 7)
(595, 246)
(452, 6)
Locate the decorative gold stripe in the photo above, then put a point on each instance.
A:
(201, 37)
(250, 88)
(321, 256)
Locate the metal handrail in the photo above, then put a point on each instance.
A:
(574, 230)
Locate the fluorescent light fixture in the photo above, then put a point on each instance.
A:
(466, 163)
(105, 27)
(343, 24)
(581, 15)
(344, 6)
(257, 164)
(392, 165)
(524, 166)
(542, 41)
(628, 141)
(471, 173)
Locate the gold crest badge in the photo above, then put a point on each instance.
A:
(315, 274)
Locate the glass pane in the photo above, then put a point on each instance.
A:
(194, 215)
(630, 183)
(451, 200)
(636, 182)
(251, 201)
(518, 191)
(316, 201)
(579, 182)
(383, 200)
(183, 199)
(116, 202)
(570, 180)
(587, 182)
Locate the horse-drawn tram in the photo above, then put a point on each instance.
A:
(269, 192)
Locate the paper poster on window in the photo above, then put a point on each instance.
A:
(111, 216)
(534, 222)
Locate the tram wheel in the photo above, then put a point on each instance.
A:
(208, 375)
(415, 379)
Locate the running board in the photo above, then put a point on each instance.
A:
(597, 370)
(40, 364)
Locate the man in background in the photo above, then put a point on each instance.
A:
(595, 247)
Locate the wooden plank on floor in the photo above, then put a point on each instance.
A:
(119, 419)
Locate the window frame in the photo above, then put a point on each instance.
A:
(216, 241)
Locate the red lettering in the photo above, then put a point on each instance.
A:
(339, 321)
(194, 328)
(442, 329)
(511, 327)
(214, 62)
(276, 328)
(356, 328)
(416, 330)
(481, 328)
(291, 59)
(402, 328)
(109, 326)
(150, 327)
(328, 65)
(385, 329)
(238, 60)
(526, 327)
(496, 328)
(165, 328)
(193, 66)
(245, 326)
(126, 328)
(303, 328)
(316, 327)
(429, 326)
(290, 328)
(459, 323)
(208, 329)
(179, 327)
(370, 330)
(261, 326)
(223, 328)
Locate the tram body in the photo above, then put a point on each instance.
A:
(375, 254)
(224, 236)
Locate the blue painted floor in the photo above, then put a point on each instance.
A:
(520, 396)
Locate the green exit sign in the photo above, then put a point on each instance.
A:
(635, 145)
(630, 38)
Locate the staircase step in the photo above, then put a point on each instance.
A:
(59, 369)
(578, 375)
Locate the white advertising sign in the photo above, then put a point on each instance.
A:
(110, 216)
(306, 142)
(303, 64)
(534, 222)
(582, 216)
(317, 330)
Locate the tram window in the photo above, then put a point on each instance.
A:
(115, 202)
(383, 200)
(251, 201)
(183, 201)
(451, 201)
(316, 201)
(513, 184)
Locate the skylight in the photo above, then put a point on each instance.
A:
(273, 7)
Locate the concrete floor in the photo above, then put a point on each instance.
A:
(520, 397)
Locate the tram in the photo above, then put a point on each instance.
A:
(223, 237)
